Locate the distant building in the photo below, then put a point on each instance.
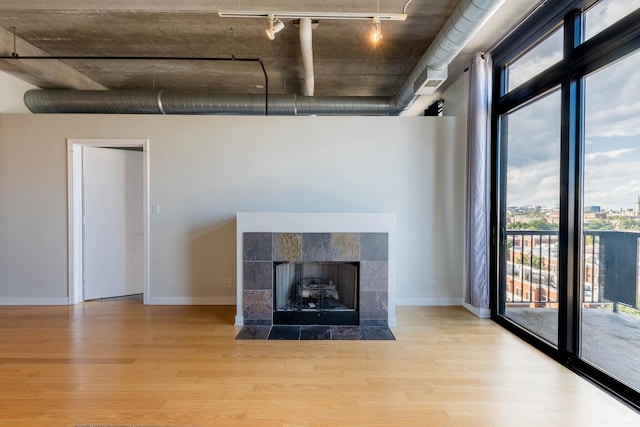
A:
(592, 209)
(553, 217)
(636, 207)
(591, 215)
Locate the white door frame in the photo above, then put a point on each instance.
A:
(75, 197)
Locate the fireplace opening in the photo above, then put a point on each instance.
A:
(316, 293)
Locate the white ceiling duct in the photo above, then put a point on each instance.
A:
(306, 46)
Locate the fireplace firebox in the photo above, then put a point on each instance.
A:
(316, 293)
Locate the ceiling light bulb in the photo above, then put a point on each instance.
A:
(275, 26)
(376, 33)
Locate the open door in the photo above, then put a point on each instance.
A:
(129, 189)
(113, 222)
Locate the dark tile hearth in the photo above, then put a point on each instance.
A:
(284, 332)
(380, 333)
(346, 333)
(316, 332)
(254, 333)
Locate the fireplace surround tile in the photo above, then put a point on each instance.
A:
(258, 306)
(262, 249)
(344, 247)
(258, 275)
(257, 246)
(373, 305)
(316, 247)
(374, 247)
(287, 247)
(374, 275)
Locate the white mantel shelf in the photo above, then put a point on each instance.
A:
(316, 222)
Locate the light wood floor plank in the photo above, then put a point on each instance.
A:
(123, 363)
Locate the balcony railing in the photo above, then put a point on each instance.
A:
(609, 268)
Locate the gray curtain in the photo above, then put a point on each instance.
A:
(477, 203)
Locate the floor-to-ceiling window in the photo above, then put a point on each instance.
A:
(610, 318)
(532, 141)
(566, 200)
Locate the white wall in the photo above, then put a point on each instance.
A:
(205, 169)
(12, 90)
(456, 98)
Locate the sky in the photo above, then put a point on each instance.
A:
(612, 129)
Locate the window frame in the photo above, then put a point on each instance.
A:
(579, 59)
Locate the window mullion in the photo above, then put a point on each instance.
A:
(569, 251)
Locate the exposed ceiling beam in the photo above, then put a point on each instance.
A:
(118, 5)
(45, 74)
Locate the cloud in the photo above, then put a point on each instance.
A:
(610, 181)
(534, 133)
(613, 186)
(612, 104)
(592, 158)
(537, 184)
(612, 129)
(620, 120)
(610, 178)
(538, 59)
(605, 13)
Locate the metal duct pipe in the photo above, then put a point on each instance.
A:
(306, 46)
(93, 101)
(462, 25)
(165, 102)
(342, 105)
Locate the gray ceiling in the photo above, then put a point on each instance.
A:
(345, 62)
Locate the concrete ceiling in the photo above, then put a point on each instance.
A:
(345, 62)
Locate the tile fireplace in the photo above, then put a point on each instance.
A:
(330, 265)
(315, 278)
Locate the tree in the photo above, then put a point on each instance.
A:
(536, 224)
(599, 224)
(532, 260)
(629, 224)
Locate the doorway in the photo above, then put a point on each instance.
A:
(103, 263)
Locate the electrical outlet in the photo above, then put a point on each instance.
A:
(227, 280)
(438, 283)
(217, 280)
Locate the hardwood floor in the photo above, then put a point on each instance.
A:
(124, 363)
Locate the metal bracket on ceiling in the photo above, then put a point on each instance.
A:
(14, 54)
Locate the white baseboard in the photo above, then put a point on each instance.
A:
(34, 301)
(429, 301)
(192, 300)
(482, 313)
